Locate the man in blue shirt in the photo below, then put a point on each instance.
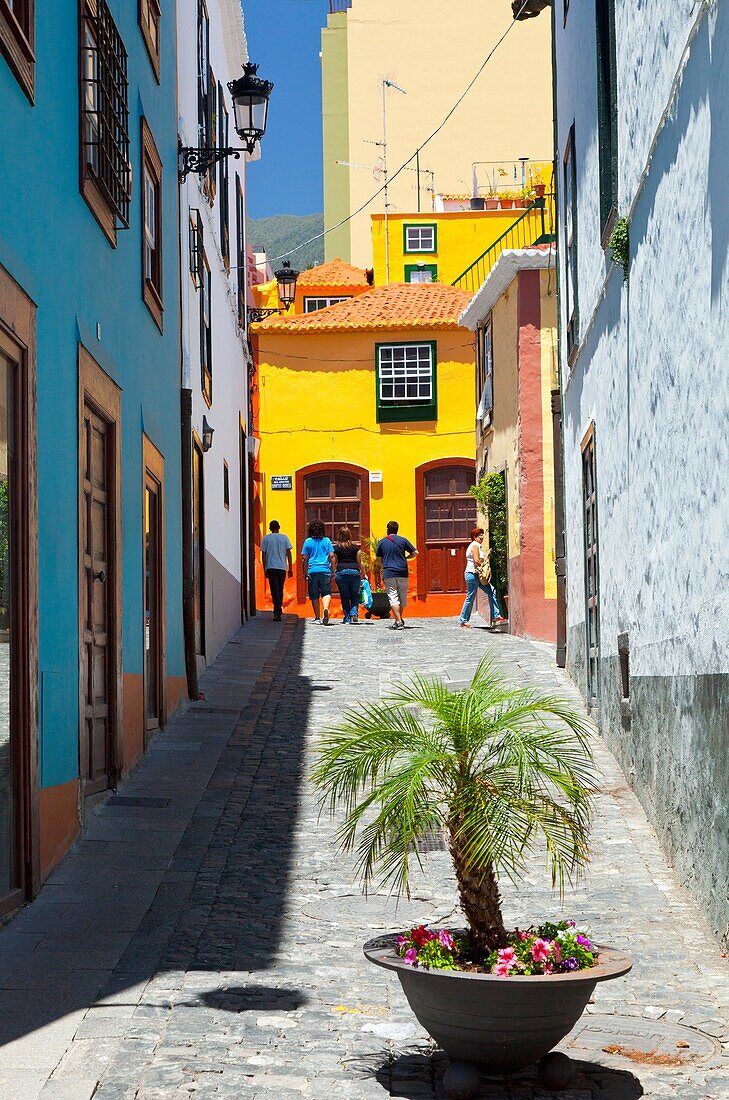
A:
(317, 559)
(394, 553)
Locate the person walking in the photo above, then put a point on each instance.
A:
(477, 569)
(276, 557)
(317, 558)
(349, 574)
(394, 552)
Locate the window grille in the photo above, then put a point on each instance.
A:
(406, 373)
(196, 245)
(105, 109)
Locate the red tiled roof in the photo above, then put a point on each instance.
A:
(334, 273)
(398, 306)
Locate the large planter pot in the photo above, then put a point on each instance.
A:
(499, 1025)
(380, 606)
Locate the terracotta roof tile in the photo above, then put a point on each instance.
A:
(398, 306)
(334, 273)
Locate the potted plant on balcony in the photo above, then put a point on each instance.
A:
(506, 199)
(496, 767)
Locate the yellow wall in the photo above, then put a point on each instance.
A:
(432, 50)
(461, 237)
(317, 404)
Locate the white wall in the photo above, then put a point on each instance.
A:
(652, 375)
(228, 52)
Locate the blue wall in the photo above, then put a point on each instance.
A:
(53, 247)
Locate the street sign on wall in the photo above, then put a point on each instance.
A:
(282, 481)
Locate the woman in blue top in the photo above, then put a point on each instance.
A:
(317, 559)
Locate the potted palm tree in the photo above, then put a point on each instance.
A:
(498, 768)
(380, 604)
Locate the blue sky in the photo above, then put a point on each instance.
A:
(284, 39)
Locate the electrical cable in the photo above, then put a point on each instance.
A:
(395, 174)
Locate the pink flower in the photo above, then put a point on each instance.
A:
(501, 969)
(556, 951)
(445, 939)
(548, 968)
(571, 923)
(410, 957)
(541, 950)
(507, 955)
(401, 940)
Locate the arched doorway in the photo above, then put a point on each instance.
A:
(445, 514)
(337, 493)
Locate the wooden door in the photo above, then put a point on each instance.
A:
(198, 546)
(592, 571)
(449, 513)
(96, 613)
(153, 603)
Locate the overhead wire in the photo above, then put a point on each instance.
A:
(404, 165)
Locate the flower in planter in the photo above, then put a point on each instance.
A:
(495, 766)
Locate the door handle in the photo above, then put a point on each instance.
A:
(100, 576)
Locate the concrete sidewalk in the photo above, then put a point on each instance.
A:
(204, 938)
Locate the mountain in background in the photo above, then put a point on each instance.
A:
(281, 232)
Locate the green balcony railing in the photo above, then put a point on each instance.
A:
(534, 226)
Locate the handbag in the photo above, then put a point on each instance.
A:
(483, 570)
(365, 593)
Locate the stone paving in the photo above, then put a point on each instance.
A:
(204, 939)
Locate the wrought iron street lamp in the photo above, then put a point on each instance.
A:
(286, 278)
(208, 431)
(250, 95)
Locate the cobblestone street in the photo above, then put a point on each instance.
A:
(203, 938)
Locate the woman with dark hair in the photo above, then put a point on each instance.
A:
(317, 559)
(477, 576)
(349, 573)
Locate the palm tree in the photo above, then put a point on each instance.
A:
(498, 767)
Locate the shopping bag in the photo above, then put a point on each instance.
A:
(365, 593)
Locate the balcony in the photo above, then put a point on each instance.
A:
(534, 226)
(339, 5)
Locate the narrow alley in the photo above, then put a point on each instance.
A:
(203, 938)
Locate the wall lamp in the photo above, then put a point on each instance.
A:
(250, 95)
(286, 278)
(207, 434)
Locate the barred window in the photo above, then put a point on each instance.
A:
(105, 168)
(206, 336)
(406, 372)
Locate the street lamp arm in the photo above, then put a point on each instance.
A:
(200, 161)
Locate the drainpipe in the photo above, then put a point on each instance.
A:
(188, 584)
(560, 564)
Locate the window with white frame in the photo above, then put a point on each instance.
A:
(312, 304)
(420, 238)
(484, 412)
(406, 382)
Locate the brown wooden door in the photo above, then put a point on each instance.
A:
(152, 603)
(450, 513)
(96, 614)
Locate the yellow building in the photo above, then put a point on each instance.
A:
(439, 246)
(431, 49)
(364, 410)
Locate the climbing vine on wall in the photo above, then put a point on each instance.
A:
(490, 494)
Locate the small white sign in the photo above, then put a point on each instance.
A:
(375, 475)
